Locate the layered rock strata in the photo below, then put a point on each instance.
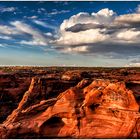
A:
(97, 109)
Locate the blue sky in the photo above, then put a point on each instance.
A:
(70, 33)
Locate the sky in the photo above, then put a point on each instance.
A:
(93, 34)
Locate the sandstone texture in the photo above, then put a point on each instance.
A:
(70, 104)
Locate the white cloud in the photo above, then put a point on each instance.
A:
(133, 65)
(44, 24)
(103, 31)
(48, 34)
(7, 9)
(128, 18)
(32, 17)
(138, 9)
(98, 29)
(41, 10)
(8, 30)
(33, 42)
(2, 45)
(20, 28)
(37, 37)
(23, 27)
(104, 16)
(5, 37)
(56, 12)
(84, 37)
(79, 49)
(129, 35)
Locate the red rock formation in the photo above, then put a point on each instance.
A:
(12, 89)
(101, 109)
(75, 75)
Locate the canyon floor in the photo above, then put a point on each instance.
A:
(68, 102)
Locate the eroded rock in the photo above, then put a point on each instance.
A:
(75, 75)
(101, 109)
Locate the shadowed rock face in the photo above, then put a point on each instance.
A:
(12, 89)
(91, 109)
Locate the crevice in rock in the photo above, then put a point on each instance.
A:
(51, 127)
(94, 106)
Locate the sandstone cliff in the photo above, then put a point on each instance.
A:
(91, 109)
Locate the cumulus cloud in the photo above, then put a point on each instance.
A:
(101, 32)
(129, 35)
(104, 16)
(82, 38)
(132, 20)
(86, 28)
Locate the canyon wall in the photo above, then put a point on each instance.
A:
(70, 104)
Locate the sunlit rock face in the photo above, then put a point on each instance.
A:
(76, 75)
(91, 109)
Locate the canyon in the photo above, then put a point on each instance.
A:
(55, 102)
